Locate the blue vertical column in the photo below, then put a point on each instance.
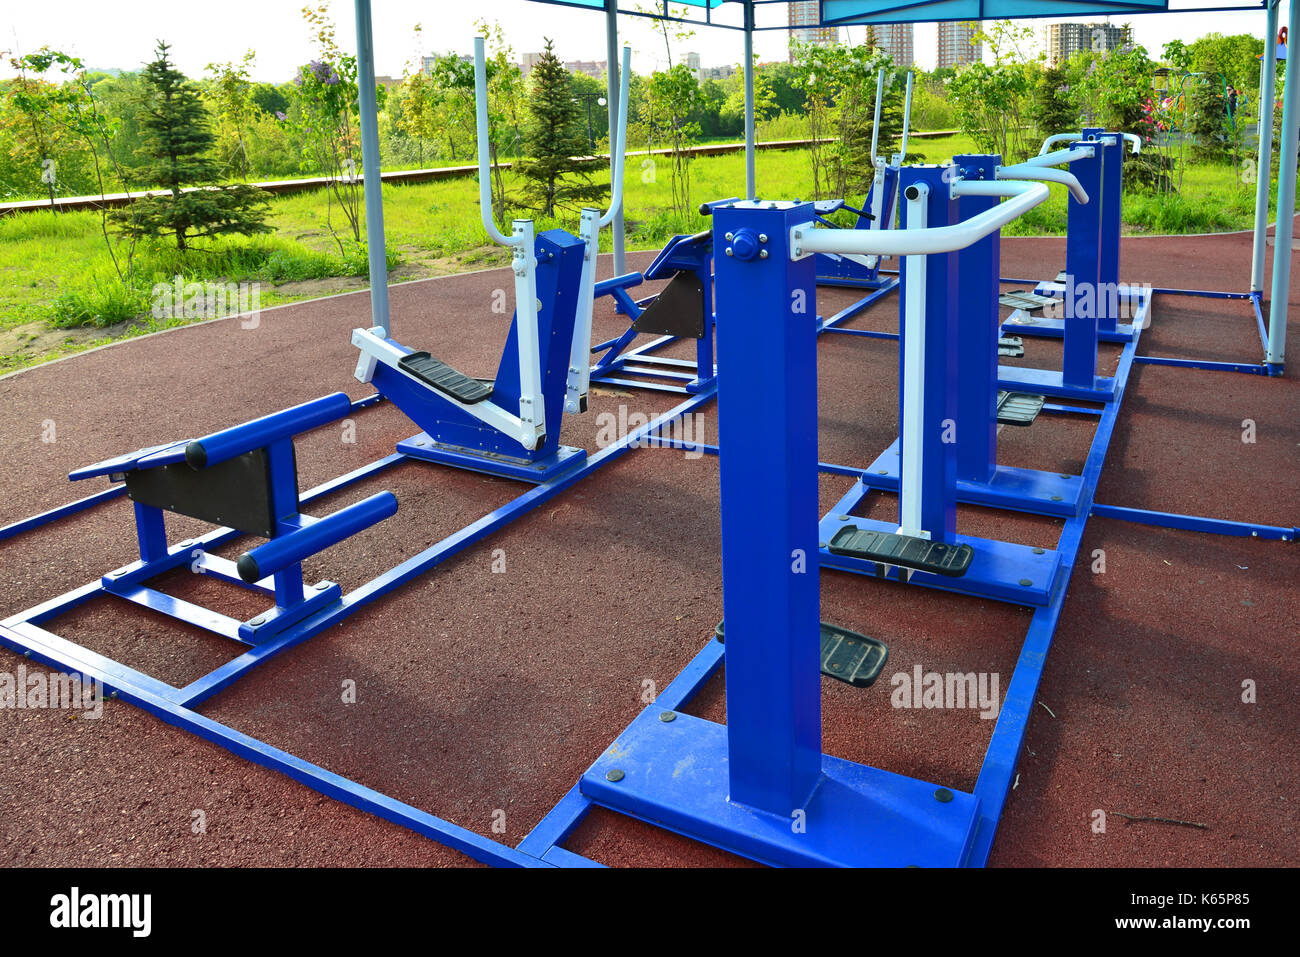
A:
(1083, 268)
(929, 388)
(767, 430)
(978, 269)
(1112, 189)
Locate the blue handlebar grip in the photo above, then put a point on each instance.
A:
(222, 446)
(279, 553)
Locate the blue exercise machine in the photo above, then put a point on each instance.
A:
(1088, 292)
(244, 478)
(510, 425)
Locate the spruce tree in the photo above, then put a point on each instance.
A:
(557, 172)
(177, 148)
(1053, 110)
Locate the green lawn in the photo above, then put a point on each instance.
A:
(59, 291)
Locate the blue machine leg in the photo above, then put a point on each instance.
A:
(760, 786)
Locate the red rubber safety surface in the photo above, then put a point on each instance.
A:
(482, 695)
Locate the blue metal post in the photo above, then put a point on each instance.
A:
(767, 410)
(978, 268)
(1083, 268)
(370, 165)
(937, 483)
(1112, 173)
(151, 532)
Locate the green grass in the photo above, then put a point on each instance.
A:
(55, 271)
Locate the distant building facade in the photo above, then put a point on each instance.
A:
(895, 39)
(805, 15)
(1064, 40)
(957, 45)
(593, 68)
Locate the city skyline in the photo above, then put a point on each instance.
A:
(112, 43)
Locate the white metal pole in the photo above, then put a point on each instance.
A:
(1286, 171)
(1264, 166)
(611, 98)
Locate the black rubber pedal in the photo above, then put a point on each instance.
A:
(1019, 408)
(445, 379)
(1023, 299)
(1012, 347)
(890, 548)
(852, 658)
(846, 656)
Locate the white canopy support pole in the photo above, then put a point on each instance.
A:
(751, 175)
(370, 166)
(1286, 172)
(875, 124)
(611, 98)
(1264, 166)
(907, 118)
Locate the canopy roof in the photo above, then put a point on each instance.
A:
(846, 12)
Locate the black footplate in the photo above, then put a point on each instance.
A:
(1062, 276)
(444, 378)
(1012, 347)
(888, 548)
(1023, 299)
(1019, 408)
(846, 656)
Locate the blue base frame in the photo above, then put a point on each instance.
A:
(427, 449)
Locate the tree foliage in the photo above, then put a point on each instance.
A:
(557, 171)
(177, 146)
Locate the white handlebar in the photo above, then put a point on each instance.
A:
(620, 152)
(1021, 197)
(484, 151)
(1030, 171)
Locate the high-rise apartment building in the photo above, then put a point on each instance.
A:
(805, 15)
(895, 39)
(957, 44)
(1066, 39)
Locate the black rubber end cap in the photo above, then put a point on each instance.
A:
(196, 456)
(582, 404)
(706, 209)
(911, 192)
(247, 568)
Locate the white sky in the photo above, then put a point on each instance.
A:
(104, 35)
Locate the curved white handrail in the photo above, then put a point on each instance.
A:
(1135, 140)
(620, 151)
(875, 126)
(484, 150)
(907, 117)
(1021, 197)
(1057, 138)
(1031, 171)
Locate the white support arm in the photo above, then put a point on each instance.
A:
(1029, 171)
(805, 240)
(532, 411)
(912, 449)
(578, 381)
(875, 128)
(1134, 140)
(377, 350)
(907, 118)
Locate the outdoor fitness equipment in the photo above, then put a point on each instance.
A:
(982, 403)
(1088, 293)
(243, 478)
(864, 271)
(509, 425)
(745, 783)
